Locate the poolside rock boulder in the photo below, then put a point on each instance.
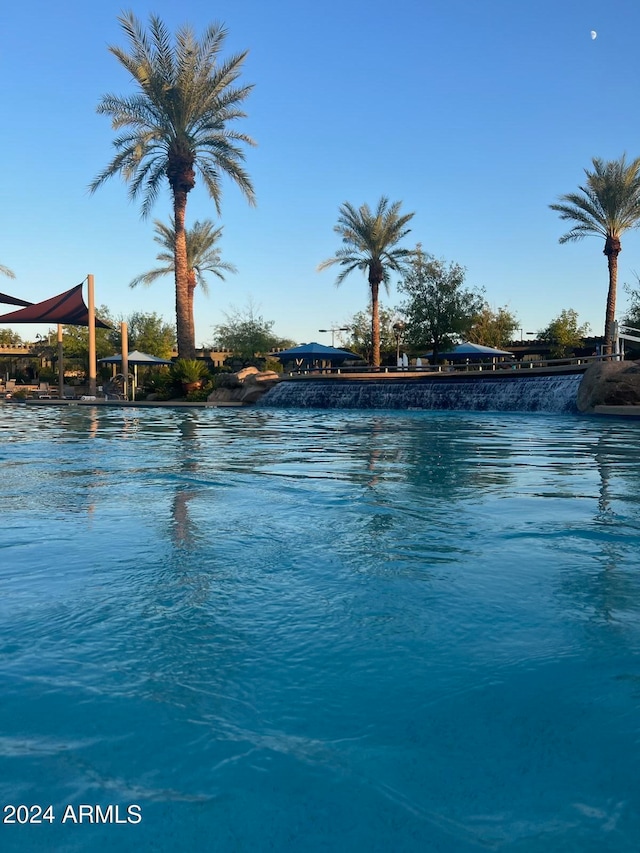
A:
(246, 386)
(609, 383)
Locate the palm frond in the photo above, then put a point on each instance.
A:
(370, 237)
(607, 205)
(203, 252)
(149, 277)
(6, 271)
(187, 96)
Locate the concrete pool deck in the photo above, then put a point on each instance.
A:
(146, 404)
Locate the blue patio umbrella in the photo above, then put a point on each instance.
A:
(472, 351)
(315, 352)
(135, 358)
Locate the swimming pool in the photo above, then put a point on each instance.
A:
(319, 630)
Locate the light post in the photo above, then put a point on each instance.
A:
(334, 330)
(398, 329)
(522, 336)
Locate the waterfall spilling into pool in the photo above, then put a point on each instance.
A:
(556, 393)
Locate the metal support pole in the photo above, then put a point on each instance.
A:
(92, 336)
(60, 363)
(125, 358)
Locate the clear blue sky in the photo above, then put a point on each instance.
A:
(476, 114)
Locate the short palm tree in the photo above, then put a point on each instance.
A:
(370, 241)
(606, 206)
(203, 256)
(177, 124)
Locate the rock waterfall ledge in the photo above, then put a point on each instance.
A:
(507, 393)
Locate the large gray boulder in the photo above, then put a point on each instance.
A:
(257, 384)
(609, 383)
(246, 386)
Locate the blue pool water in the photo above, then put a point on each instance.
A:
(283, 630)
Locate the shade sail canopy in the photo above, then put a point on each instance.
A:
(134, 357)
(467, 350)
(314, 351)
(5, 299)
(67, 307)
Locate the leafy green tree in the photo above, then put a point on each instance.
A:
(359, 339)
(564, 334)
(371, 241)
(439, 308)
(632, 314)
(178, 123)
(606, 206)
(149, 333)
(247, 334)
(9, 338)
(75, 339)
(631, 317)
(203, 256)
(493, 328)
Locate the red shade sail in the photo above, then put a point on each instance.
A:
(67, 307)
(12, 300)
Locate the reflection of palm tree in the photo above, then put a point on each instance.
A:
(607, 206)
(182, 525)
(452, 464)
(608, 581)
(370, 241)
(183, 529)
(203, 256)
(374, 457)
(600, 583)
(177, 123)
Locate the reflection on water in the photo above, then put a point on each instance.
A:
(324, 630)
(190, 448)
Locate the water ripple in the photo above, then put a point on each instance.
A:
(328, 629)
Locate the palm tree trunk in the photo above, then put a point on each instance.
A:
(375, 277)
(612, 249)
(192, 288)
(184, 330)
(375, 325)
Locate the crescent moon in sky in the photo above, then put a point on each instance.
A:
(594, 34)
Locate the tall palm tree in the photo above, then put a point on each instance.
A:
(6, 271)
(606, 206)
(203, 256)
(177, 124)
(370, 241)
